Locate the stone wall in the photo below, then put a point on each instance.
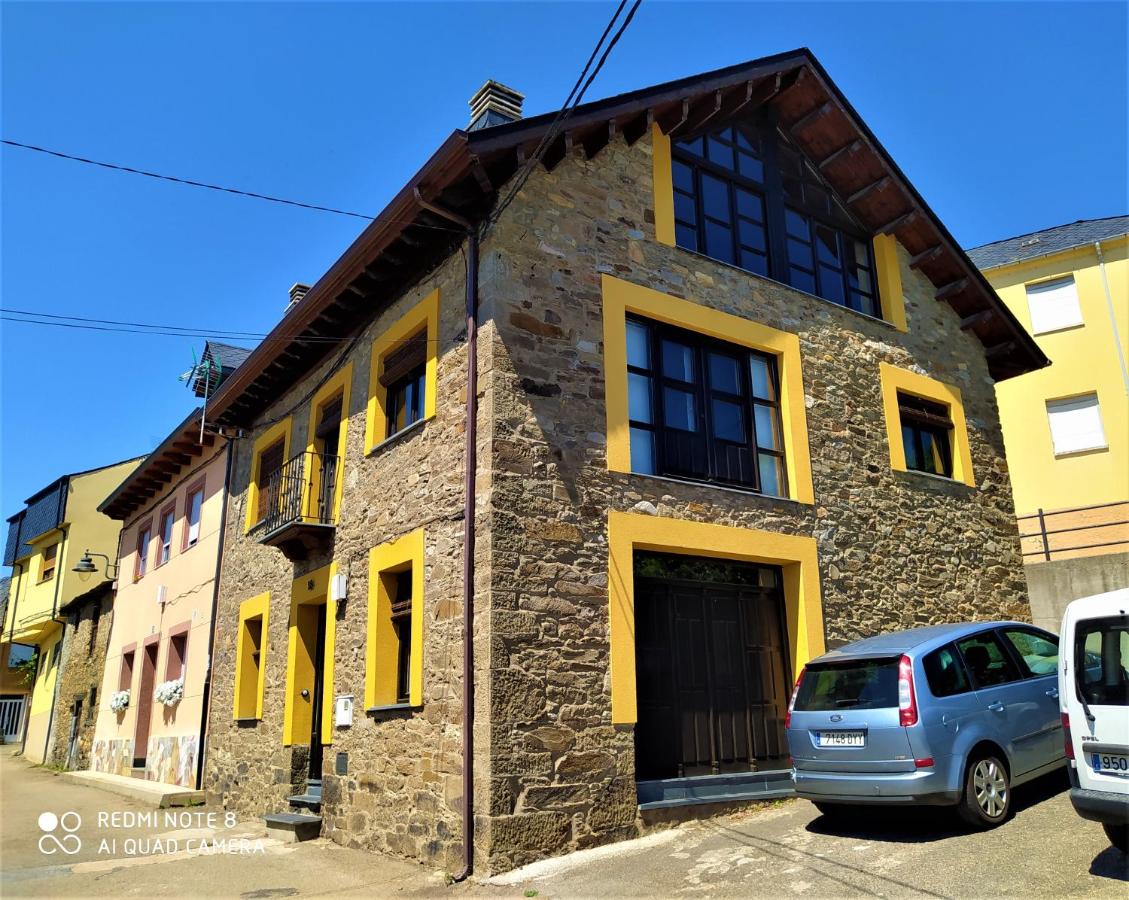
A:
(82, 667)
(895, 549)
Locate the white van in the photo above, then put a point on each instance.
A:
(1093, 682)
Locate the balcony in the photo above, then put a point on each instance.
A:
(296, 505)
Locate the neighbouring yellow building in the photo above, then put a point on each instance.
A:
(1066, 427)
(46, 539)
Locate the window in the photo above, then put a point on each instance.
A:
(1076, 424)
(250, 648)
(177, 658)
(164, 550)
(1053, 305)
(1102, 651)
(405, 400)
(125, 676)
(394, 658)
(1039, 652)
(193, 509)
(328, 433)
(860, 684)
(945, 672)
(18, 654)
(926, 427)
(92, 706)
(144, 535)
(264, 485)
(49, 560)
(746, 196)
(986, 660)
(92, 645)
(269, 484)
(703, 409)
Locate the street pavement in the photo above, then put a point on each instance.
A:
(784, 850)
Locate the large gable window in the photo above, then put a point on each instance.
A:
(744, 195)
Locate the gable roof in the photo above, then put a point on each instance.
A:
(459, 184)
(1023, 247)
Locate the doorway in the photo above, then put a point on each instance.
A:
(309, 681)
(76, 724)
(145, 704)
(711, 667)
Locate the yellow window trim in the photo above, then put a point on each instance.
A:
(380, 647)
(888, 269)
(424, 315)
(891, 295)
(623, 297)
(249, 609)
(311, 589)
(628, 532)
(341, 383)
(893, 380)
(278, 430)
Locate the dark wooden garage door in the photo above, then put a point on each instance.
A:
(711, 667)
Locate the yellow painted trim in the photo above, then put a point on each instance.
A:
(893, 380)
(628, 532)
(380, 647)
(424, 314)
(664, 186)
(312, 589)
(889, 274)
(249, 609)
(623, 297)
(340, 383)
(262, 442)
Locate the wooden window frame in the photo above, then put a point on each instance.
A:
(167, 513)
(341, 384)
(141, 561)
(183, 630)
(197, 487)
(266, 440)
(925, 417)
(47, 572)
(384, 644)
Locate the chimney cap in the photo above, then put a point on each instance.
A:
(297, 292)
(494, 104)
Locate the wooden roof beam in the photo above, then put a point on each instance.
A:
(863, 193)
(897, 224)
(999, 349)
(926, 256)
(952, 288)
(842, 153)
(638, 126)
(812, 117)
(708, 110)
(976, 319)
(481, 176)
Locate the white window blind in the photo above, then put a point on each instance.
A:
(1053, 305)
(1076, 424)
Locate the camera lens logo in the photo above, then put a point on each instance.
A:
(69, 842)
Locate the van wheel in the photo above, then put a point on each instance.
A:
(1118, 836)
(987, 793)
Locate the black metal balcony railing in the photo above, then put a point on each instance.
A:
(1081, 531)
(300, 491)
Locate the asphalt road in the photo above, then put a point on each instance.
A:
(1045, 850)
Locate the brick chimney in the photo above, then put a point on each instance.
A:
(297, 292)
(494, 104)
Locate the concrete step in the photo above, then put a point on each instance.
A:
(292, 827)
(152, 793)
(313, 787)
(668, 792)
(309, 801)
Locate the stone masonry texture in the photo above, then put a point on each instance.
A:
(552, 774)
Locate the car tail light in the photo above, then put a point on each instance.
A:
(792, 702)
(923, 763)
(1067, 737)
(907, 701)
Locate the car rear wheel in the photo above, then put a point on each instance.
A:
(1118, 836)
(987, 793)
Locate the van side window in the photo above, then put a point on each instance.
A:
(1039, 652)
(1101, 659)
(945, 673)
(986, 660)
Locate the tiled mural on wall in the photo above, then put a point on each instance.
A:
(113, 757)
(172, 760)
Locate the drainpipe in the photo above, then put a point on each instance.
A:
(206, 697)
(1112, 316)
(60, 573)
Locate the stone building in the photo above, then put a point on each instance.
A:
(86, 634)
(705, 385)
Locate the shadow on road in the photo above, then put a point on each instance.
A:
(1111, 863)
(921, 824)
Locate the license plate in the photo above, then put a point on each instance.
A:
(1109, 762)
(842, 738)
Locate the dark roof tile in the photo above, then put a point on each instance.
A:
(1049, 240)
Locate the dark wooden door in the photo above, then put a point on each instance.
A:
(144, 705)
(712, 685)
(317, 700)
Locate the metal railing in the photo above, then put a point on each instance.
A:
(302, 489)
(1056, 529)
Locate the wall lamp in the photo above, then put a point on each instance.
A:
(85, 567)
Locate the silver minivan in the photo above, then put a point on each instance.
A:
(952, 715)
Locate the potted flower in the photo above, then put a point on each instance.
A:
(119, 702)
(169, 692)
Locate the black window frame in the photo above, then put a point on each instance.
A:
(401, 615)
(788, 185)
(705, 396)
(1008, 655)
(398, 398)
(921, 416)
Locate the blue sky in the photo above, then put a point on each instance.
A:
(1008, 117)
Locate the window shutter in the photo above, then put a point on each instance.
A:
(400, 362)
(1076, 424)
(1053, 305)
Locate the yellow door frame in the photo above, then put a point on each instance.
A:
(312, 589)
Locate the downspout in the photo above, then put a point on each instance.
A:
(59, 575)
(1112, 316)
(206, 698)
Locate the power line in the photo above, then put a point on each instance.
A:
(216, 187)
(32, 312)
